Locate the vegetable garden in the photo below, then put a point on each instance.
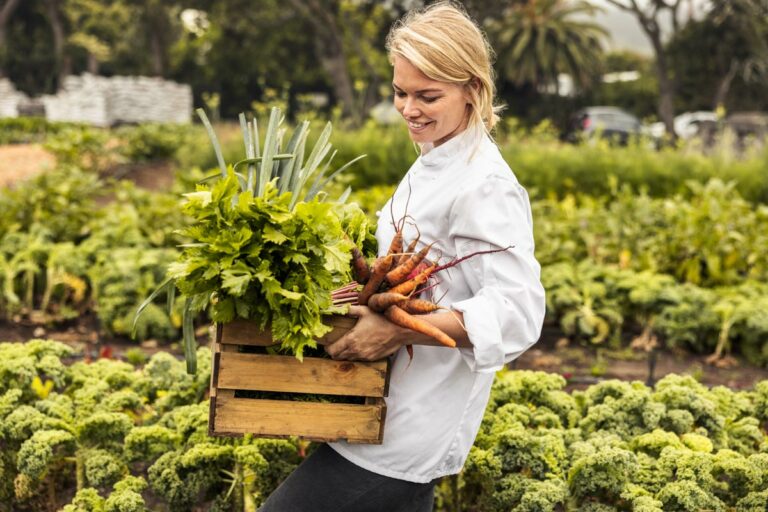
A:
(656, 250)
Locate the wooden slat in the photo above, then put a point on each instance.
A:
(311, 420)
(259, 372)
(243, 332)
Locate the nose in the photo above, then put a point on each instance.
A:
(410, 110)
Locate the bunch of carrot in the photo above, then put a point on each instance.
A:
(394, 281)
(391, 286)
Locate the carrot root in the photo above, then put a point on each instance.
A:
(397, 316)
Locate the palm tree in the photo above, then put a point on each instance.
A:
(538, 39)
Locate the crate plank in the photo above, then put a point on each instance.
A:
(260, 372)
(311, 420)
(244, 332)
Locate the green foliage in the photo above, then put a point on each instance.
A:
(61, 202)
(143, 431)
(82, 147)
(613, 446)
(713, 237)
(20, 363)
(86, 500)
(624, 454)
(102, 468)
(255, 257)
(389, 153)
(25, 130)
(152, 141)
(61, 256)
(594, 169)
(40, 450)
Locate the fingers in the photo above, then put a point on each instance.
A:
(356, 311)
(337, 349)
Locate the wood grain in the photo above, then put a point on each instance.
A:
(260, 372)
(244, 332)
(310, 420)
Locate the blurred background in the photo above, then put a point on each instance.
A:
(655, 59)
(638, 126)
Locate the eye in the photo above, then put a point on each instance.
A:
(400, 94)
(430, 100)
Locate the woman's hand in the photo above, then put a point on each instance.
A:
(373, 337)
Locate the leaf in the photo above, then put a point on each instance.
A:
(168, 282)
(272, 235)
(236, 280)
(214, 141)
(188, 335)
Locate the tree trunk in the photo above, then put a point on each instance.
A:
(335, 65)
(63, 63)
(158, 62)
(5, 15)
(650, 25)
(93, 64)
(157, 23)
(666, 85)
(724, 86)
(330, 52)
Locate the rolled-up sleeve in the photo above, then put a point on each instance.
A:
(505, 310)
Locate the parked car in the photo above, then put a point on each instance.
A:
(746, 124)
(609, 122)
(688, 125)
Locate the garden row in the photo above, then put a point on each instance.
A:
(543, 164)
(62, 255)
(687, 270)
(108, 436)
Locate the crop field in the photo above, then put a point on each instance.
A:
(648, 390)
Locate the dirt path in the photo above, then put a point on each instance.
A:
(22, 161)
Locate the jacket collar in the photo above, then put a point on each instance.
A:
(451, 149)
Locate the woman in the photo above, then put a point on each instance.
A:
(463, 197)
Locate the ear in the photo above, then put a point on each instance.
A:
(473, 83)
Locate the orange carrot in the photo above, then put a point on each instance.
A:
(396, 245)
(411, 247)
(380, 268)
(419, 306)
(403, 319)
(408, 286)
(360, 269)
(402, 271)
(381, 301)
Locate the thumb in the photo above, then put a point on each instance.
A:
(356, 311)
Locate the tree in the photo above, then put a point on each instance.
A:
(96, 27)
(734, 36)
(56, 20)
(539, 39)
(6, 11)
(748, 20)
(649, 16)
(349, 36)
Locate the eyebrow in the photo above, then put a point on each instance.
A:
(420, 91)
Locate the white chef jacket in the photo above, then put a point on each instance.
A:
(465, 198)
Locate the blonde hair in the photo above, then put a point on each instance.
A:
(444, 43)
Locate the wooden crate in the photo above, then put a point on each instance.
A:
(235, 370)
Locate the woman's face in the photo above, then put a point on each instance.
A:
(434, 111)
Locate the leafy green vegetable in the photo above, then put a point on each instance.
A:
(256, 258)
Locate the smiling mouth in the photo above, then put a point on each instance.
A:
(417, 126)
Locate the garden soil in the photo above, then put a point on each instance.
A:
(22, 161)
